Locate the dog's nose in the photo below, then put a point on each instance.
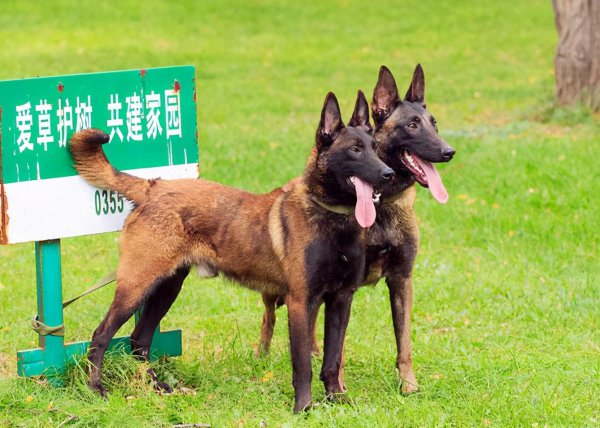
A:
(388, 173)
(448, 153)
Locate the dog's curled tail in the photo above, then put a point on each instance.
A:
(91, 163)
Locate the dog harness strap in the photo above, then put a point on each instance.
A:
(43, 330)
(338, 209)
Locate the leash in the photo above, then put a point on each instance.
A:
(105, 280)
(59, 330)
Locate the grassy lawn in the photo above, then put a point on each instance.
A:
(505, 323)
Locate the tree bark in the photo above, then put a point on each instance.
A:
(577, 61)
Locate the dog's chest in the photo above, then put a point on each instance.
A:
(376, 262)
(334, 264)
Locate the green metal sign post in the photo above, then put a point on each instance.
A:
(150, 115)
(49, 304)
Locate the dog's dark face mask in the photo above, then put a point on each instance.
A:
(347, 161)
(409, 132)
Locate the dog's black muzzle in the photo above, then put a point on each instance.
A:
(388, 173)
(448, 153)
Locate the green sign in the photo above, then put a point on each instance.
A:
(150, 115)
(140, 109)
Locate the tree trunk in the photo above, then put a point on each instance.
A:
(577, 61)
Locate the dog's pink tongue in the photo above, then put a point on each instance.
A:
(436, 187)
(365, 209)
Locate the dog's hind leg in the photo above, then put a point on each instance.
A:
(268, 324)
(314, 314)
(133, 285)
(121, 309)
(155, 308)
(341, 372)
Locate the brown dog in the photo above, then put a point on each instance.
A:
(280, 243)
(408, 141)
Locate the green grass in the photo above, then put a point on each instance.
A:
(505, 324)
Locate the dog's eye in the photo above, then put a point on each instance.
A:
(355, 149)
(414, 122)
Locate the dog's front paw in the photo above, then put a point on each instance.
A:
(261, 351)
(302, 405)
(408, 387)
(163, 387)
(337, 397)
(99, 388)
(160, 387)
(407, 378)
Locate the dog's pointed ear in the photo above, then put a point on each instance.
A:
(360, 116)
(416, 90)
(385, 96)
(331, 122)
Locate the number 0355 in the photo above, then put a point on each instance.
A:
(108, 201)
